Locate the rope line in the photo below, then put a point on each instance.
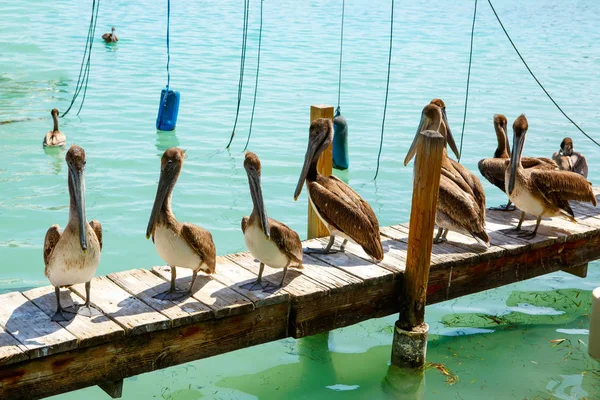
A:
(387, 89)
(256, 79)
(536, 79)
(341, 50)
(89, 65)
(462, 133)
(242, 63)
(163, 100)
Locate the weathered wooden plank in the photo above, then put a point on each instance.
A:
(144, 285)
(10, 351)
(88, 331)
(132, 314)
(112, 388)
(222, 300)
(139, 354)
(296, 283)
(394, 254)
(329, 276)
(37, 335)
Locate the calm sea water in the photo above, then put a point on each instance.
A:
(41, 45)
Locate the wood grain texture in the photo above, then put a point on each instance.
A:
(325, 167)
(10, 351)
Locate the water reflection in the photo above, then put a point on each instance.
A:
(165, 140)
(56, 158)
(401, 383)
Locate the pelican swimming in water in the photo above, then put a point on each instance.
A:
(268, 240)
(110, 37)
(72, 256)
(340, 208)
(569, 160)
(178, 244)
(493, 169)
(461, 200)
(538, 192)
(55, 137)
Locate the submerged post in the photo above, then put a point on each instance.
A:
(324, 166)
(410, 334)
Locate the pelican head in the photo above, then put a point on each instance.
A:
(566, 147)
(501, 122)
(54, 114)
(75, 159)
(112, 29)
(170, 168)
(320, 137)
(520, 127)
(501, 128)
(449, 138)
(252, 167)
(431, 119)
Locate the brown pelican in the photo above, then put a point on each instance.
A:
(461, 200)
(340, 208)
(178, 244)
(268, 240)
(569, 160)
(110, 37)
(542, 193)
(72, 256)
(55, 137)
(493, 169)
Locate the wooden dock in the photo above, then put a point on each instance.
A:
(138, 333)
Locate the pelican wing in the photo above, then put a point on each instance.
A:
(346, 211)
(97, 227)
(476, 187)
(52, 237)
(245, 223)
(539, 163)
(287, 240)
(201, 241)
(580, 165)
(561, 186)
(493, 169)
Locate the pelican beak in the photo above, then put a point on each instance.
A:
(449, 137)
(413, 147)
(164, 184)
(515, 159)
(78, 182)
(257, 199)
(308, 159)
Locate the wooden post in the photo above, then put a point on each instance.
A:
(325, 167)
(410, 335)
(113, 388)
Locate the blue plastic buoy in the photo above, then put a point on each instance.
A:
(167, 110)
(340, 141)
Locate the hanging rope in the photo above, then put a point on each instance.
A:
(341, 49)
(536, 79)
(86, 59)
(242, 62)
(387, 89)
(462, 133)
(256, 79)
(164, 97)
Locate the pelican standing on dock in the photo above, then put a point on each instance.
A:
(340, 208)
(73, 255)
(542, 193)
(569, 160)
(493, 169)
(268, 240)
(55, 137)
(110, 37)
(461, 200)
(178, 244)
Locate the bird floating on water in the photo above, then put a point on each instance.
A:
(461, 199)
(179, 244)
(55, 137)
(271, 242)
(569, 160)
(337, 205)
(110, 37)
(73, 255)
(493, 169)
(542, 193)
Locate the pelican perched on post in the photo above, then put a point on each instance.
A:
(493, 169)
(110, 37)
(461, 200)
(178, 244)
(542, 193)
(569, 160)
(73, 255)
(340, 208)
(55, 137)
(268, 240)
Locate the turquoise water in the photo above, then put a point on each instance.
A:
(41, 44)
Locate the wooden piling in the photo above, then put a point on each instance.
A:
(325, 167)
(410, 335)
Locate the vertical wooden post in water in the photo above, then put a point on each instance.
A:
(325, 167)
(410, 334)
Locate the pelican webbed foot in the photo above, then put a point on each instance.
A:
(258, 284)
(441, 236)
(328, 249)
(172, 295)
(508, 207)
(274, 288)
(88, 311)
